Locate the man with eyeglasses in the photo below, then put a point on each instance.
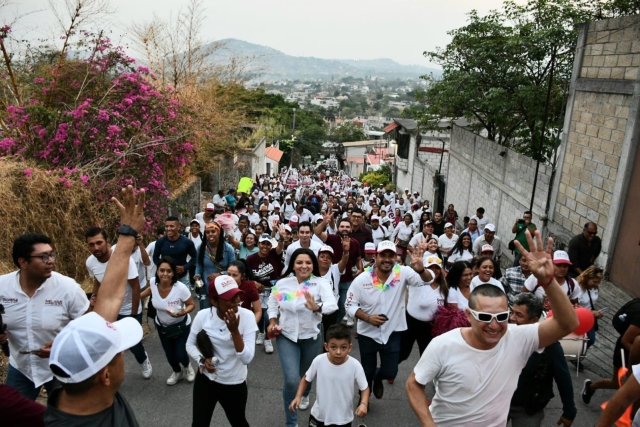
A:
(478, 393)
(38, 303)
(359, 230)
(584, 249)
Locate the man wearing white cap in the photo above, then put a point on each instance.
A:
(448, 240)
(288, 208)
(87, 357)
(377, 297)
(378, 232)
(206, 216)
(489, 238)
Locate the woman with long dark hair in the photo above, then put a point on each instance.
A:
(462, 251)
(214, 257)
(486, 270)
(459, 278)
(296, 306)
(173, 323)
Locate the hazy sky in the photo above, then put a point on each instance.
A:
(339, 29)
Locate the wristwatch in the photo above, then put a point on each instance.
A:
(126, 230)
(319, 310)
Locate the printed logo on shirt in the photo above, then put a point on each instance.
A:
(368, 286)
(264, 271)
(9, 301)
(440, 301)
(54, 302)
(174, 303)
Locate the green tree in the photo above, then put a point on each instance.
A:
(348, 131)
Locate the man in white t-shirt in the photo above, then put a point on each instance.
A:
(38, 304)
(378, 232)
(96, 264)
(448, 240)
(561, 264)
(479, 394)
(305, 231)
(481, 218)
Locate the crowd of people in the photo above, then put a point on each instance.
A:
(293, 267)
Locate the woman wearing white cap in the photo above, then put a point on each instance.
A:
(569, 285)
(296, 306)
(422, 306)
(173, 305)
(332, 272)
(222, 378)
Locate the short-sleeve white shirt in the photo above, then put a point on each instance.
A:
(474, 387)
(475, 282)
(97, 269)
(424, 302)
(532, 282)
(33, 322)
(178, 295)
(447, 243)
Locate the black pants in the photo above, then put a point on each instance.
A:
(315, 423)
(232, 398)
(417, 330)
(327, 321)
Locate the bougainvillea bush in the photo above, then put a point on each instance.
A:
(97, 116)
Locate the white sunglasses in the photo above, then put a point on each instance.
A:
(481, 316)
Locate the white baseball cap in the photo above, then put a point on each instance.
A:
(317, 217)
(265, 238)
(432, 260)
(294, 220)
(386, 245)
(369, 247)
(325, 248)
(490, 227)
(561, 257)
(210, 207)
(89, 343)
(486, 248)
(448, 224)
(288, 197)
(224, 287)
(375, 218)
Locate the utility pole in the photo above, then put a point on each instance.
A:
(293, 130)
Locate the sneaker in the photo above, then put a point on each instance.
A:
(345, 320)
(189, 373)
(304, 403)
(350, 322)
(260, 339)
(268, 347)
(175, 377)
(146, 368)
(587, 393)
(378, 389)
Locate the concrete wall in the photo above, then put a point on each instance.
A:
(185, 201)
(599, 145)
(479, 177)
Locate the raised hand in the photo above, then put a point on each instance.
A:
(346, 243)
(131, 213)
(539, 259)
(416, 259)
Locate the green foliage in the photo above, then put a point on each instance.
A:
(498, 68)
(348, 131)
(375, 178)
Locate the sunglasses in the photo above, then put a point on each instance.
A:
(488, 317)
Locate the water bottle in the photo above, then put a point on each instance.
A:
(623, 317)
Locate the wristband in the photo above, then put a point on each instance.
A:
(543, 285)
(365, 404)
(422, 271)
(368, 317)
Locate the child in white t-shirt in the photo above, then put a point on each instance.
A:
(335, 374)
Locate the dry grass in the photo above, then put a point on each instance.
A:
(41, 203)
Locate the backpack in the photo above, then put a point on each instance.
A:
(620, 320)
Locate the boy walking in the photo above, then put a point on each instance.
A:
(336, 374)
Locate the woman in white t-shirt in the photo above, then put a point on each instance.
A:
(589, 282)
(173, 305)
(462, 251)
(296, 306)
(459, 278)
(486, 269)
(230, 332)
(422, 305)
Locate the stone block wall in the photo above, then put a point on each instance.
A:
(185, 201)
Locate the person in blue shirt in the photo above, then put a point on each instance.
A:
(176, 246)
(231, 199)
(213, 259)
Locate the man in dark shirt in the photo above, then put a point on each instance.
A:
(584, 249)
(359, 230)
(87, 356)
(176, 246)
(535, 384)
(355, 258)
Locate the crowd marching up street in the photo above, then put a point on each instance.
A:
(327, 285)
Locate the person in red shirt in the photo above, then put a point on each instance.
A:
(241, 273)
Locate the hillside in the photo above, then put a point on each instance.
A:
(276, 64)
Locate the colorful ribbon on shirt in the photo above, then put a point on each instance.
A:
(290, 296)
(379, 284)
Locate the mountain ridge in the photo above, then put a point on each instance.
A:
(273, 63)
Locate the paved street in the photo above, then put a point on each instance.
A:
(157, 404)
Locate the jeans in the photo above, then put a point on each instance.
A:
(592, 336)
(138, 349)
(232, 398)
(516, 259)
(315, 423)
(24, 385)
(264, 321)
(295, 358)
(519, 417)
(176, 350)
(389, 357)
(185, 280)
(342, 288)
(416, 330)
(203, 297)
